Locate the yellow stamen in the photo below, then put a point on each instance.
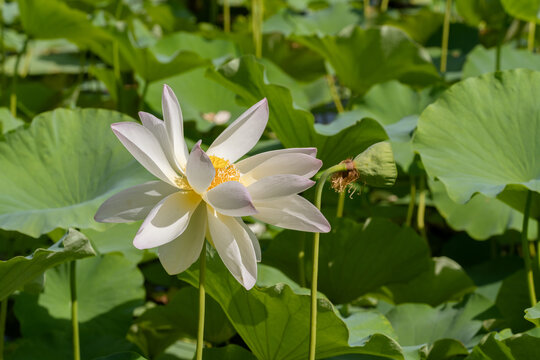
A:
(225, 171)
(182, 183)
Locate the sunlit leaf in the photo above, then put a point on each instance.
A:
(19, 270)
(58, 171)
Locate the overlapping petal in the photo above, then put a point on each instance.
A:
(231, 198)
(234, 247)
(242, 135)
(251, 162)
(292, 212)
(286, 163)
(157, 127)
(134, 203)
(144, 147)
(167, 220)
(199, 170)
(174, 123)
(178, 255)
(276, 186)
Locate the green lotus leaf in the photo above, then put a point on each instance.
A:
(274, 321)
(57, 172)
(475, 12)
(482, 217)
(20, 270)
(122, 356)
(419, 324)
(482, 61)
(518, 347)
(528, 10)
(229, 352)
(481, 135)
(533, 313)
(109, 288)
(295, 127)
(353, 260)
(7, 121)
(177, 319)
(363, 58)
(444, 281)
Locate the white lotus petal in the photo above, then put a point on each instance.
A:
(199, 170)
(174, 123)
(253, 238)
(251, 162)
(234, 248)
(167, 220)
(242, 135)
(292, 212)
(178, 255)
(134, 203)
(294, 164)
(231, 198)
(157, 127)
(144, 147)
(278, 186)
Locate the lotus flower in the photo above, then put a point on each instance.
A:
(204, 194)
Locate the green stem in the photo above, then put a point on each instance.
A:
(412, 201)
(257, 12)
(498, 57)
(421, 206)
(525, 248)
(334, 93)
(3, 315)
(74, 310)
(2, 49)
(340, 204)
(315, 270)
(226, 16)
(13, 97)
(202, 275)
(366, 8)
(531, 38)
(384, 5)
(446, 33)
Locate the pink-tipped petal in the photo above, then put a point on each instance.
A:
(231, 198)
(292, 212)
(242, 135)
(167, 220)
(134, 203)
(199, 170)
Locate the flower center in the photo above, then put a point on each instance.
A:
(225, 171)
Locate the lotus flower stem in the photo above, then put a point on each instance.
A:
(2, 48)
(313, 318)
(421, 207)
(202, 275)
(334, 93)
(340, 204)
(257, 17)
(13, 96)
(531, 38)
(412, 201)
(525, 248)
(74, 310)
(446, 33)
(3, 314)
(384, 5)
(226, 16)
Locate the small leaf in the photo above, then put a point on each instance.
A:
(18, 271)
(533, 313)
